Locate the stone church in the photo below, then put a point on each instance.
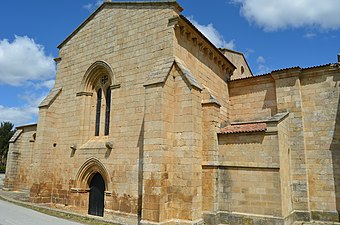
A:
(150, 123)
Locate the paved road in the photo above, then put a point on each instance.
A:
(11, 214)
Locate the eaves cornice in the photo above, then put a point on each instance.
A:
(193, 35)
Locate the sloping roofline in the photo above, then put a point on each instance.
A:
(289, 68)
(102, 6)
(26, 125)
(239, 53)
(186, 20)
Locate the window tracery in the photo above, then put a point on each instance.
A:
(103, 105)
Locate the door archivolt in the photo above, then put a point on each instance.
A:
(87, 171)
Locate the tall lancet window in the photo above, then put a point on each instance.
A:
(103, 107)
(98, 108)
(107, 111)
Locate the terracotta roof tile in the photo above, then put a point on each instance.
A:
(244, 128)
(279, 70)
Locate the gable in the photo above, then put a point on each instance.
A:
(169, 3)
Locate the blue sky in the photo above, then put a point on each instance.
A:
(272, 35)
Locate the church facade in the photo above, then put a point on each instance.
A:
(150, 123)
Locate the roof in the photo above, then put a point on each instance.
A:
(264, 125)
(15, 136)
(287, 69)
(244, 128)
(25, 126)
(230, 50)
(123, 3)
(49, 99)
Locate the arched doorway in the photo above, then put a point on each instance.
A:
(96, 198)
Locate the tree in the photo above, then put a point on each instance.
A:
(6, 132)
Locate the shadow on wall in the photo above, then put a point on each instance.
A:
(335, 149)
(237, 139)
(140, 171)
(255, 98)
(270, 101)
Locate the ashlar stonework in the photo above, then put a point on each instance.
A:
(150, 123)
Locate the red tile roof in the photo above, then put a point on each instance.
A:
(278, 70)
(244, 128)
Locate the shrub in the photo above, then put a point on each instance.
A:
(2, 169)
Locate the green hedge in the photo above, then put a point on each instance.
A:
(2, 169)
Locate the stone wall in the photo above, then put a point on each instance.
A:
(202, 60)
(249, 181)
(320, 107)
(252, 99)
(127, 39)
(307, 139)
(238, 59)
(249, 150)
(250, 190)
(20, 159)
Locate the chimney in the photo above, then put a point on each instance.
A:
(338, 58)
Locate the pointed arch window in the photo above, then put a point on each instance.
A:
(98, 109)
(98, 83)
(107, 111)
(103, 107)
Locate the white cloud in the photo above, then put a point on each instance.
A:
(280, 14)
(25, 114)
(41, 85)
(24, 60)
(213, 35)
(263, 69)
(261, 60)
(309, 35)
(33, 99)
(88, 6)
(261, 66)
(17, 115)
(230, 45)
(248, 52)
(93, 6)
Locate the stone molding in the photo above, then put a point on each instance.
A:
(51, 97)
(84, 93)
(197, 39)
(89, 168)
(115, 86)
(15, 136)
(162, 70)
(93, 73)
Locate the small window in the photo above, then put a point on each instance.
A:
(242, 70)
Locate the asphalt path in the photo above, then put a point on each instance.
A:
(11, 214)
